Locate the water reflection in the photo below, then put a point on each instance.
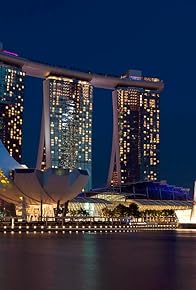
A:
(91, 266)
(154, 261)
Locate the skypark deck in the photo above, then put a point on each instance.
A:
(41, 70)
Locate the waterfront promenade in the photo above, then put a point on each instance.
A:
(62, 226)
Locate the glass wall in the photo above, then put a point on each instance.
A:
(11, 108)
(70, 109)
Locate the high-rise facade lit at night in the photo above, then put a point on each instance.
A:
(66, 134)
(136, 126)
(66, 130)
(11, 108)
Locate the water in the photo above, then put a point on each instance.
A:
(132, 261)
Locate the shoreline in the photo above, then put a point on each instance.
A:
(40, 228)
(93, 228)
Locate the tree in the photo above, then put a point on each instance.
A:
(107, 212)
(78, 212)
(82, 212)
(168, 212)
(134, 210)
(121, 211)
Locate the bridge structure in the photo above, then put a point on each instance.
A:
(41, 70)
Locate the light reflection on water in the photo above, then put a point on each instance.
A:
(148, 260)
(186, 233)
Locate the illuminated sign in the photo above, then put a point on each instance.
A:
(10, 53)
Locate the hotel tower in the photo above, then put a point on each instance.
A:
(66, 133)
(136, 126)
(66, 127)
(11, 108)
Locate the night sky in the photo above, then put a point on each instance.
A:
(157, 37)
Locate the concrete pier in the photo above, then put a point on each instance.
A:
(58, 228)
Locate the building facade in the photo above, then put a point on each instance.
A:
(66, 134)
(11, 108)
(66, 131)
(136, 128)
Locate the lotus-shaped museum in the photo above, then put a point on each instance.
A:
(17, 182)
